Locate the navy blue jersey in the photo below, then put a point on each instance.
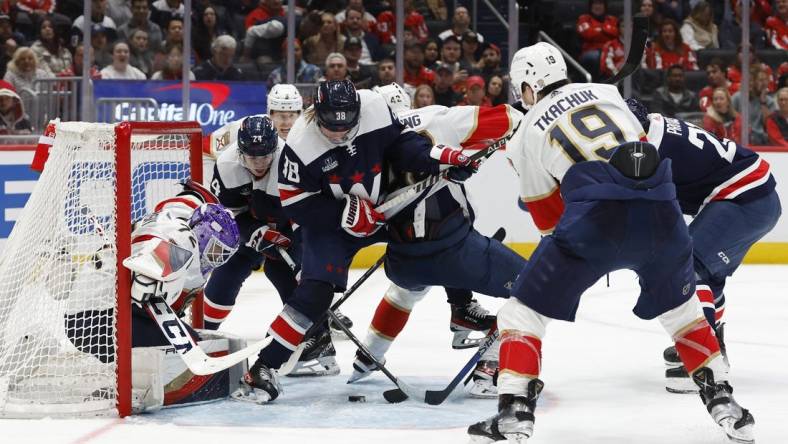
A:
(706, 168)
(315, 174)
(253, 201)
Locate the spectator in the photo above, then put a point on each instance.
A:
(387, 72)
(173, 69)
(777, 27)
(431, 53)
(50, 52)
(120, 68)
(328, 40)
(647, 10)
(101, 46)
(265, 10)
(734, 71)
(354, 27)
(414, 22)
(715, 75)
(7, 31)
(668, 9)
(490, 63)
(23, 70)
(76, 67)
(220, 65)
(164, 11)
(496, 94)
(450, 58)
(613, 55)
(304, 72)
(437, 10)
(173, 35)
(476, 93)
(595, 29)
(262, 41)
(460, 23)
(28, 15)
(469, 45)
(140, 56)
(730, 31)
(97, 17)
(777, 123)
(721, 119)
(760, 10)
(118, 10)
(760, 102)
(674, 97)
(368, 19)
(13, 119)
(361, 75)
(669, 49)
(444, 92)
(699, 31)
(6, 54)
(416, 73)
(205, 32)
(336, 67)
(140, 11)
(782, 74)
(423, 96)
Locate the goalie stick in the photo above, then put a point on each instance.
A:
(637, 47)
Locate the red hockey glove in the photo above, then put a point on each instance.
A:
(463, 166)
(359, 217)
(196, 189)
(265, 237)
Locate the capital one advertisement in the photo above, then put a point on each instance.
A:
(212, 104)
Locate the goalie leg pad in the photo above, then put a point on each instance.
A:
(522, 330)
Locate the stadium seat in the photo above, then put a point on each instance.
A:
(695, 80)
(705, 55)
(772, 57)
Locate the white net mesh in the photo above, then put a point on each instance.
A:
(58, 271)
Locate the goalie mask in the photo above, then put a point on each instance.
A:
(217, 235)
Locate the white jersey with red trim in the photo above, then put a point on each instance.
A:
(574, 123)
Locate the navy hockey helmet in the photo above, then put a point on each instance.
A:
(337, 105)
(257, 136)
(636, 160)
(640, 111)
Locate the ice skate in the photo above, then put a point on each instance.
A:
(318, 358)
(259, 385)
(335, 330)
(363, 367)
(466, 319)
(736, 421)
(514, 421)
(484, 380)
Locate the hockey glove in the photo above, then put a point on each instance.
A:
(144, 287)
(265, 237)
(192, 188)
(462, 166)
(359, 217)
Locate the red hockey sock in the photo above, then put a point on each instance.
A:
(389, 319)
(696, 345)
(520, 354)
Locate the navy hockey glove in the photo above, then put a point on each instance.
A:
(359, 217)
(265, 237)
(462, 166)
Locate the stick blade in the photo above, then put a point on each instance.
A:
(395, 396)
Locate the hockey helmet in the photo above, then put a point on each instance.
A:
(284, 97)
(217, 235)
(539, 66)
(635, 160)
(396, 97)
(640, 111)
(257, 136)
(337, 105)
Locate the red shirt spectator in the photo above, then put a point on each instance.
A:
(613, 57)
(669, 49)
(385, 27)
(414, 22)
(759, 11)
(46, 6)
(777, 122)
(264, 11)
(416, 73)
(721, 119)
(777, 26)
(596, 28)
(715, 75)
(734, 75)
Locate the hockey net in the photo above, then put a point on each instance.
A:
(65, 333)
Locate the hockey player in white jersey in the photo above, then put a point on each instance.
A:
(610, 224)
(466, 127)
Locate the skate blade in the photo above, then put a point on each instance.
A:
(462, 339)
(478, 439)
(357, 376)
(482, 392)
(325, 366)
(742, 435)
(250, 395)
(681, 386)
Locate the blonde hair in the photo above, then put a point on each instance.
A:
(18, 54)
(419, 89)
(713, 112)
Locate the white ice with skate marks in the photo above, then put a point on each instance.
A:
(603, 379)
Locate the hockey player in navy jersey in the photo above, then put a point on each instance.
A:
(330, 180)
(601, 217)
(730, 193)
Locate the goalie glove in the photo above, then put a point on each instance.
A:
(462, 167)
(359, 217)
(265, 237)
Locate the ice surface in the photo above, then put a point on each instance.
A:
(603, 379)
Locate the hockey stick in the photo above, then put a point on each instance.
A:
(436, 397)
(291, 363)
(637, 47)
(414, 190)
(193, 356)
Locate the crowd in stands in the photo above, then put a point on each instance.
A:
(446, 62)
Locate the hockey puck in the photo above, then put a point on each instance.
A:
(357, 398)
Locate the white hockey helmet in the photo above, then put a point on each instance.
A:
(284, 97)
(396, 97)
(539, 66)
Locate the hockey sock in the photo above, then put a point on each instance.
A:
(520, 361)
(696, 345)
(390, 317)
(713, 307)
(214, 314)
